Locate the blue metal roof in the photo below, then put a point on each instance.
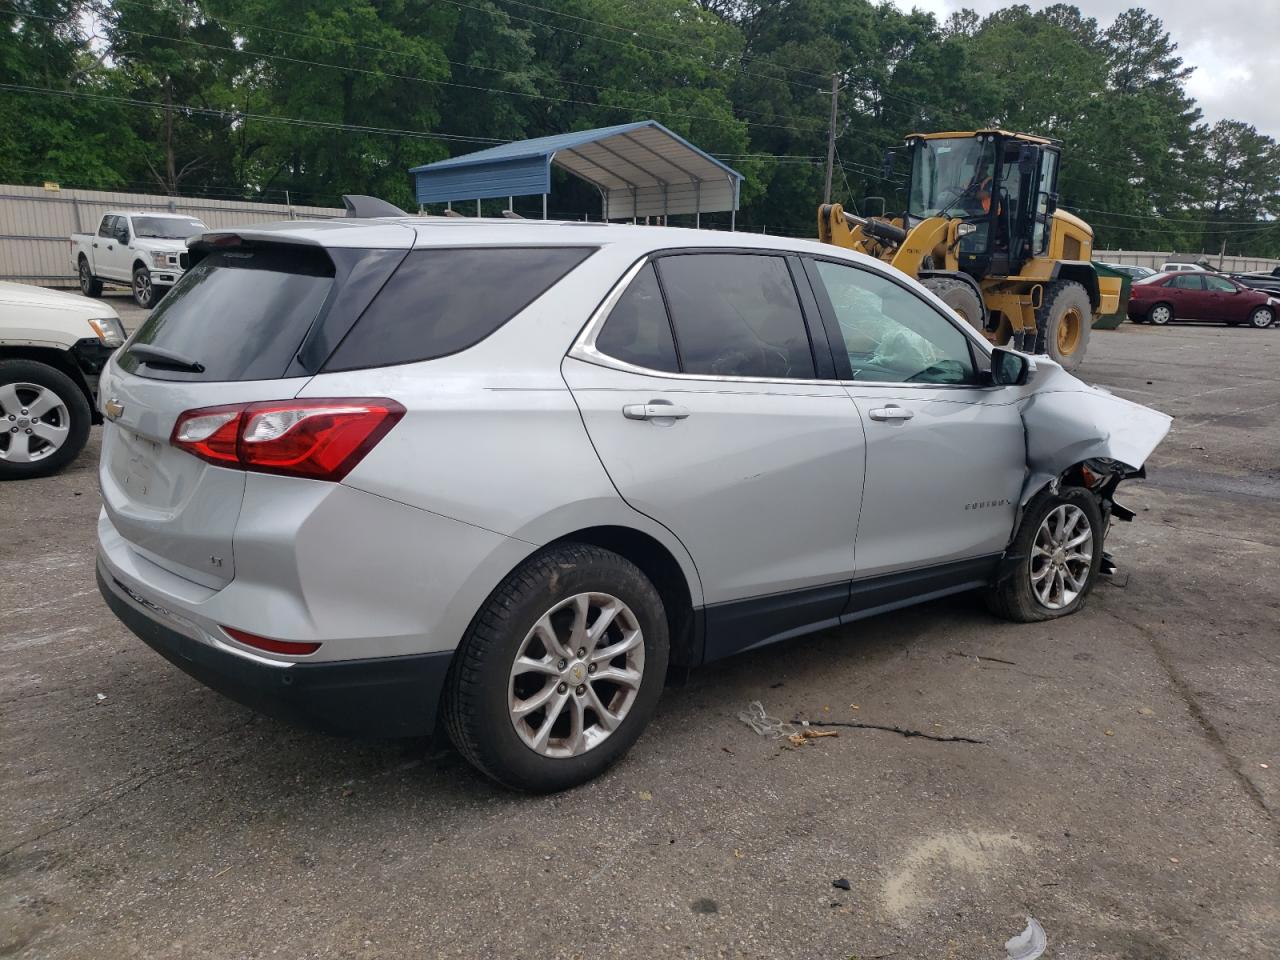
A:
(640, 169)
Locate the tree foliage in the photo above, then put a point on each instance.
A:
(256, 98)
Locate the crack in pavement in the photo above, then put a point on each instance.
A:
(1210, 732)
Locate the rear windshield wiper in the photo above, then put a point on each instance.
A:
(160, 357)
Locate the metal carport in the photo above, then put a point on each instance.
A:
(640, 169)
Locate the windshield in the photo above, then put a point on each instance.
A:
(167, 228)
(951, 173)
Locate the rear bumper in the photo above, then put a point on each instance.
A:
(381, 697)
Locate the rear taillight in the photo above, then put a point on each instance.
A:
(318, 439)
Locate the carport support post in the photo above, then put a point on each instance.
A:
(477, 206)
(697, 204)
(544, 206)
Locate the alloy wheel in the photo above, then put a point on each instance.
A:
(576, 675)
(34, 422)
(1061, 556)
(85, 278)
(142, 288)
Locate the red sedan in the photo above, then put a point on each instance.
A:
(1196, 295)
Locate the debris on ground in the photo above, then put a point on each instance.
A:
(1029, 944)
(841, 884)
(704, 905)
(800, 731)
(646, 795)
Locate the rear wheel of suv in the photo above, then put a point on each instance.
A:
(560, 670)
(1056, 553)
(44, 419)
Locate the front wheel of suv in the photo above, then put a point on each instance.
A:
(44, 419)
(1056, 556)
(560, 671)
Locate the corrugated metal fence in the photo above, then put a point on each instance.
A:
(1155, 259)
(36, 224)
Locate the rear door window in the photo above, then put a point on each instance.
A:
(442, 301)
(638, 331)
(241, 314)
(1186, 281)
(736, 315)
(108, 227)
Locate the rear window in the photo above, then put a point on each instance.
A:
(241, 314)
(442, 301)
(167, 228)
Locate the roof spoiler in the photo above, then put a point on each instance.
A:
(361, 206)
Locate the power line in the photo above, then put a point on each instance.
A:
(240, 115)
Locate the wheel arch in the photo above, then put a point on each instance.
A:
(1083, 274)
(660, 565)
(61, 361)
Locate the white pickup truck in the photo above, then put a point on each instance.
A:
(143, 251)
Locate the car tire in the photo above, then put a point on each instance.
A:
(145, 293)
(1037, 581)
(1261, 318)
(1063, 323)
(489, 705)
(25, 451)
(1160, 314)
(90, 285)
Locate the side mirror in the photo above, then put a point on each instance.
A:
(1009, 369)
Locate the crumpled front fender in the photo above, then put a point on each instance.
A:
(1066, 421)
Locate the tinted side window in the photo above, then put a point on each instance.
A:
(108, 227)
(891, 335)
(442, 301)
(1186, 281)
(736, 315)
(1220, 285)
(638, 331)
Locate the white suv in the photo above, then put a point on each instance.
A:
(373, 473)
(53, 345)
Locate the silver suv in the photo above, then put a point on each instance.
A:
(504, 474)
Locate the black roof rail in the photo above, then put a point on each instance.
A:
(361, 206)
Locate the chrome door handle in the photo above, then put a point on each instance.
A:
(891, 414)
(654, 410)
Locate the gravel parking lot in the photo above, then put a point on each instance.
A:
(1124, 792)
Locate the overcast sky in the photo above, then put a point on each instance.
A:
(1233, 44)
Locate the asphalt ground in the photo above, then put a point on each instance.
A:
(1124, 793)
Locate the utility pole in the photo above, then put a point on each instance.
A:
(1222, 254)
(831, 136)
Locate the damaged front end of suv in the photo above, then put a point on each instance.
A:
(1082, 443)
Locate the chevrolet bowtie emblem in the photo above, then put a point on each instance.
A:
(113, 408)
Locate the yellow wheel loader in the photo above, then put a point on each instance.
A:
(982, 231)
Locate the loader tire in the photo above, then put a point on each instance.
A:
(959, 296)
(1063, 322)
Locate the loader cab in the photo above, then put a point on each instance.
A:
(1003, 184)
